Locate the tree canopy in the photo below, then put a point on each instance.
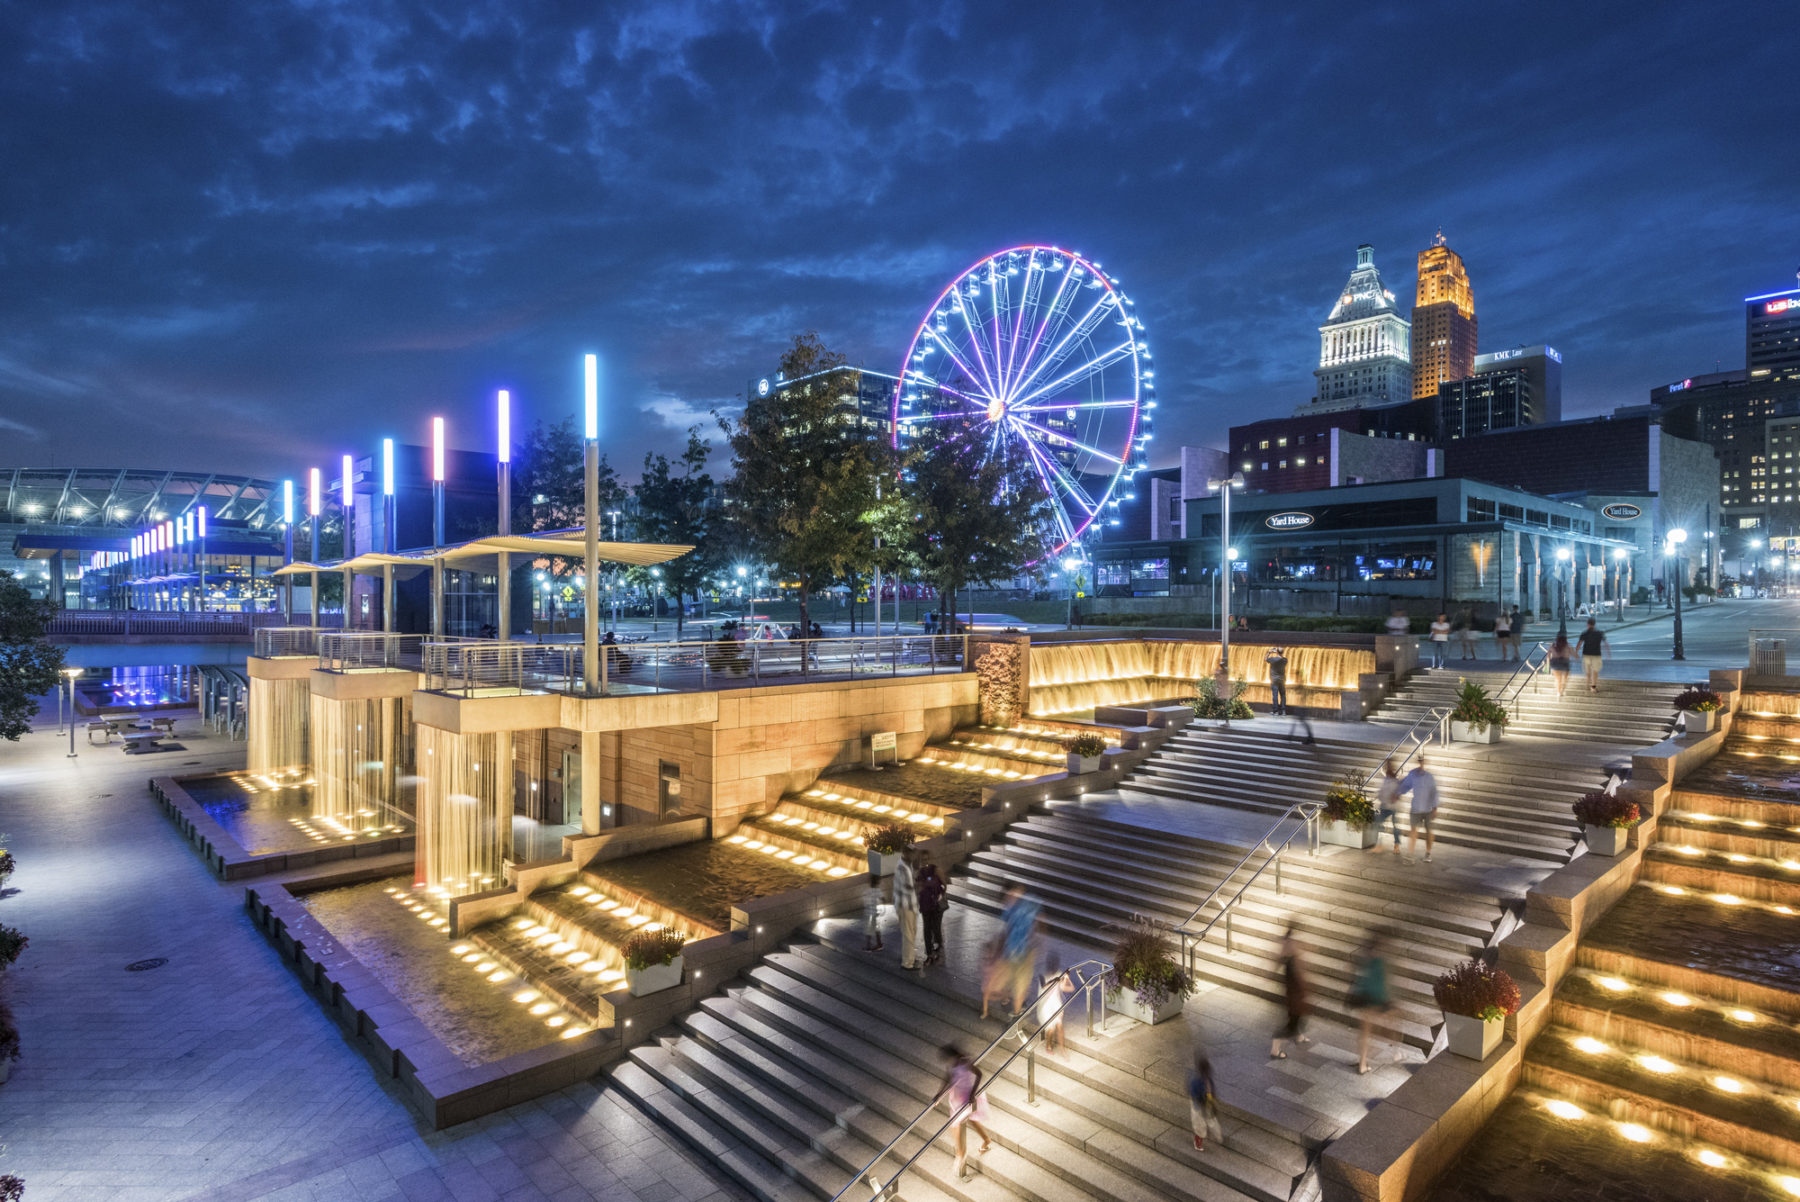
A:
(675, 506)
(29, 666)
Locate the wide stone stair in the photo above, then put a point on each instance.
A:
(1094, 875)
(793, 1082)
(1628, 713)
(1507, 804)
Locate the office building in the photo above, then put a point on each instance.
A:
(1502, 399)
(1322, 450)
(1365, 348)
(1542, 366)
(1772, 337)
(866, 398)
(1443, 321)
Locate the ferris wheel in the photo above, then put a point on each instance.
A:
(1039, 347)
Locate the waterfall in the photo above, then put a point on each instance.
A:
(464, 810)
(1071, 677)
(359, 759)
(278, 736)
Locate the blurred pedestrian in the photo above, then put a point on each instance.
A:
(1293, 976)
(1387, 802)
(1369, 995)
(1517, 623)
(1424, 789)
(906, 910)
(1054, 986)
(1440, 640)
(1592, 643)
(1277, 663)
(1561, 653)
(934, 896)
(1465, 633)
(1019, 944)
(1203, 1103)
(1503, 635)
(962, 1092)
(872, 902)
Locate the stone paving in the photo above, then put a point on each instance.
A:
(216, 1077)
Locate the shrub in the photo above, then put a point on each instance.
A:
(1086, 746)
(1699, 700)
(1476, 708)
(1208, 704)
(12, 1188)
(7, 864)
(1143, 963)
(1474, 990)
(1606, 809)
(9, 1034)
(12, 942)
(888, 839)
(1346, 802)
(647, 948)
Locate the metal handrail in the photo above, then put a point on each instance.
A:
(1088, 975)
(1308, 814)
(1526, 672)
(1439, 716)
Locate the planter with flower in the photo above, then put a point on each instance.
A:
(1475, 1000)
(1476, 718)
(1146, 981)
(1701, 707)
(1348, 817)
(653, 961)
(1084, 753)
(1606, 821)
(886, 844)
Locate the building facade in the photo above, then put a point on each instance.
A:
(866, 398)
(1443, 321)
(1319, 450)
(1365, 346)
(1542, 367)
(1494, 400)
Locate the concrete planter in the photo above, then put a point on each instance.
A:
(1342, 834)
(1080, 765)
(1472, 1037)
(1701, 721)
(1463, 732)
(883, 864)
(654, 978)
(1125, 1002)
(1606, 840)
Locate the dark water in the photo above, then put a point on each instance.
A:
(274, 813)
(702, 880)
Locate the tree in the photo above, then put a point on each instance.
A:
(675, 506)
(29, 667)
(550, 489)
(978, 512)
(803, 479)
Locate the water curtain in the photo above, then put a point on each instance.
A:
(465, 809)
(1072, 677)
(280, 717)
(361, 753)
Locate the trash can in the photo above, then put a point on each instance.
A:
(1768, 657)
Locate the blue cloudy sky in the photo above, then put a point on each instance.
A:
(245, 237)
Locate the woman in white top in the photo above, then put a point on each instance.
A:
(1387, 803)
(1440, 639)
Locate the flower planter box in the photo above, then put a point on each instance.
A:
(1606, 840)
(1463, 732)
(1080, 765)
(1342, 834)
(1701, 721)
(1125, 1002)
(1472, 1037)
(653, 979)
(882, 864)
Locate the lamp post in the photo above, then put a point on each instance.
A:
(70, 674)
(1621, 565)
(656, 604)
(1071, 566)
(1226, 555)
(1677, 536)
(503, 561)
(590, 520)
(1562, 589)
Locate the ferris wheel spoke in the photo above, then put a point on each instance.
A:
(962, 366)
(1098, 363)
(1050, 314)
(1000, 302)
(1033, 286)
(1081, 329)
(976, 403)
(1047, 465)
(974, 328)
(1059, 406)
(1064, 438)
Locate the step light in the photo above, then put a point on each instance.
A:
(1637, 1133)
(1564, 1110)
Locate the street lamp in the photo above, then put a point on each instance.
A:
(1755, 563)
(71, 674)
(1621, 589)
(1070, 566)
(1677, 536)
(1562, 591)
(1226, 554)
(656, 605)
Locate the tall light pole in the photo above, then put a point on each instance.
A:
(1621, 588)
(1563, 556)
(503, 568)
(1070, 566)
(390, 515)
(315, 505)
(287, 550)
(1677, 536)
(348, 505)
(590, 517)
(200, 527)
(1755, 563)
(656, 603)
(70, 674)
(437, 526)
(614, 597)
(1226, 555)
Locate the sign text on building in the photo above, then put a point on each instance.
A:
(1622, 512)
(1291, 520)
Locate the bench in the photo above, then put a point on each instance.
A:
(103, 727)
(142, 741)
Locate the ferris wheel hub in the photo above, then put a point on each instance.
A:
(996, 409)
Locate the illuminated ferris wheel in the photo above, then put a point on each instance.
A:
(1038, 346)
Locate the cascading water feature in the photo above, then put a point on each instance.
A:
(279, 736)
(1069, 678)
(361, 752)
(464, 809)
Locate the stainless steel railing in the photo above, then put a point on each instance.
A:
(276, 642)
(1530, 671)
(1271, 847)
(367, 649)
(1089, 976)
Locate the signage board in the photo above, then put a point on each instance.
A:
(1290, 520)
(1622, 512)
(883, 740)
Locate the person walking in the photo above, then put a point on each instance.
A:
(934, 896)
(1387, 802)
(1293, 976)
(1465, 633)
(1440, 640)
(1276, 659)
(1398, 624)
(872, 903)
(1561, 652)
(1517, 623)
(906, 909)
(1369, 995)
(1592, 643)
(1502, 635)
(1424, 789)
(1018, 944)
(1203, 1103)
(962, 1092)
(1052, 988)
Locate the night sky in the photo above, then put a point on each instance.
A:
(246, 237)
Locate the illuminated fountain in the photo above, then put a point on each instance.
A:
(1069, 678)
(465, 808)
(278, 736)
(360, 749)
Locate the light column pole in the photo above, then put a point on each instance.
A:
(613, 596)
(437, 526)
(70, 674)
(1621, 564)
(504, 567)
(389, 515)
(590, 518)
(315, 504)
(347, 499)
(287, 551)
(1070, 567)
(200, 529)
(1226, 555)
(1677, 536)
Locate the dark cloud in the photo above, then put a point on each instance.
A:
(247, 236)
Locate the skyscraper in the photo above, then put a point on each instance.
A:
(1443, 320)
(1365, 356)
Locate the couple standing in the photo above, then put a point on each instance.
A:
(920, 897)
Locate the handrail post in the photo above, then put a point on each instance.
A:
(1230, 942)
(1031, 1072)
(1278, 871)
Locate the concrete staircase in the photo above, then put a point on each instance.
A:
(1628, 713)
(1507, 804)
(793, 1082)
(1094, 875)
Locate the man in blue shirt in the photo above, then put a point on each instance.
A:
(1424, 789)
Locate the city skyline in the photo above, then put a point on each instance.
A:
(340, 227)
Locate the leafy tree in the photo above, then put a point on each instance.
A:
(803, 478)
(550, 488)
(29, 666)
(675, 506)
(978, 511)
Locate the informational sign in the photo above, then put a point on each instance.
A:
(1622, 512)
(1291, 520)
(884, 740)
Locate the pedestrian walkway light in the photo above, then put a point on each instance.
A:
(1672, 548)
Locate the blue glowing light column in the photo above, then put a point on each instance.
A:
(315, 505)
(180, 557)
(200, 531)
(503, 571)
(348, 499)
(590, 627)
(388, 517)
(437, 525)
(287, 551)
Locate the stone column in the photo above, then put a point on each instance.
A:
(590, 782)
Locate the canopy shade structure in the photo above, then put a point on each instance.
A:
(300, 569)
(569, 547)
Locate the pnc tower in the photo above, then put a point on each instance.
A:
(1443, 321)
(1364, 356)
